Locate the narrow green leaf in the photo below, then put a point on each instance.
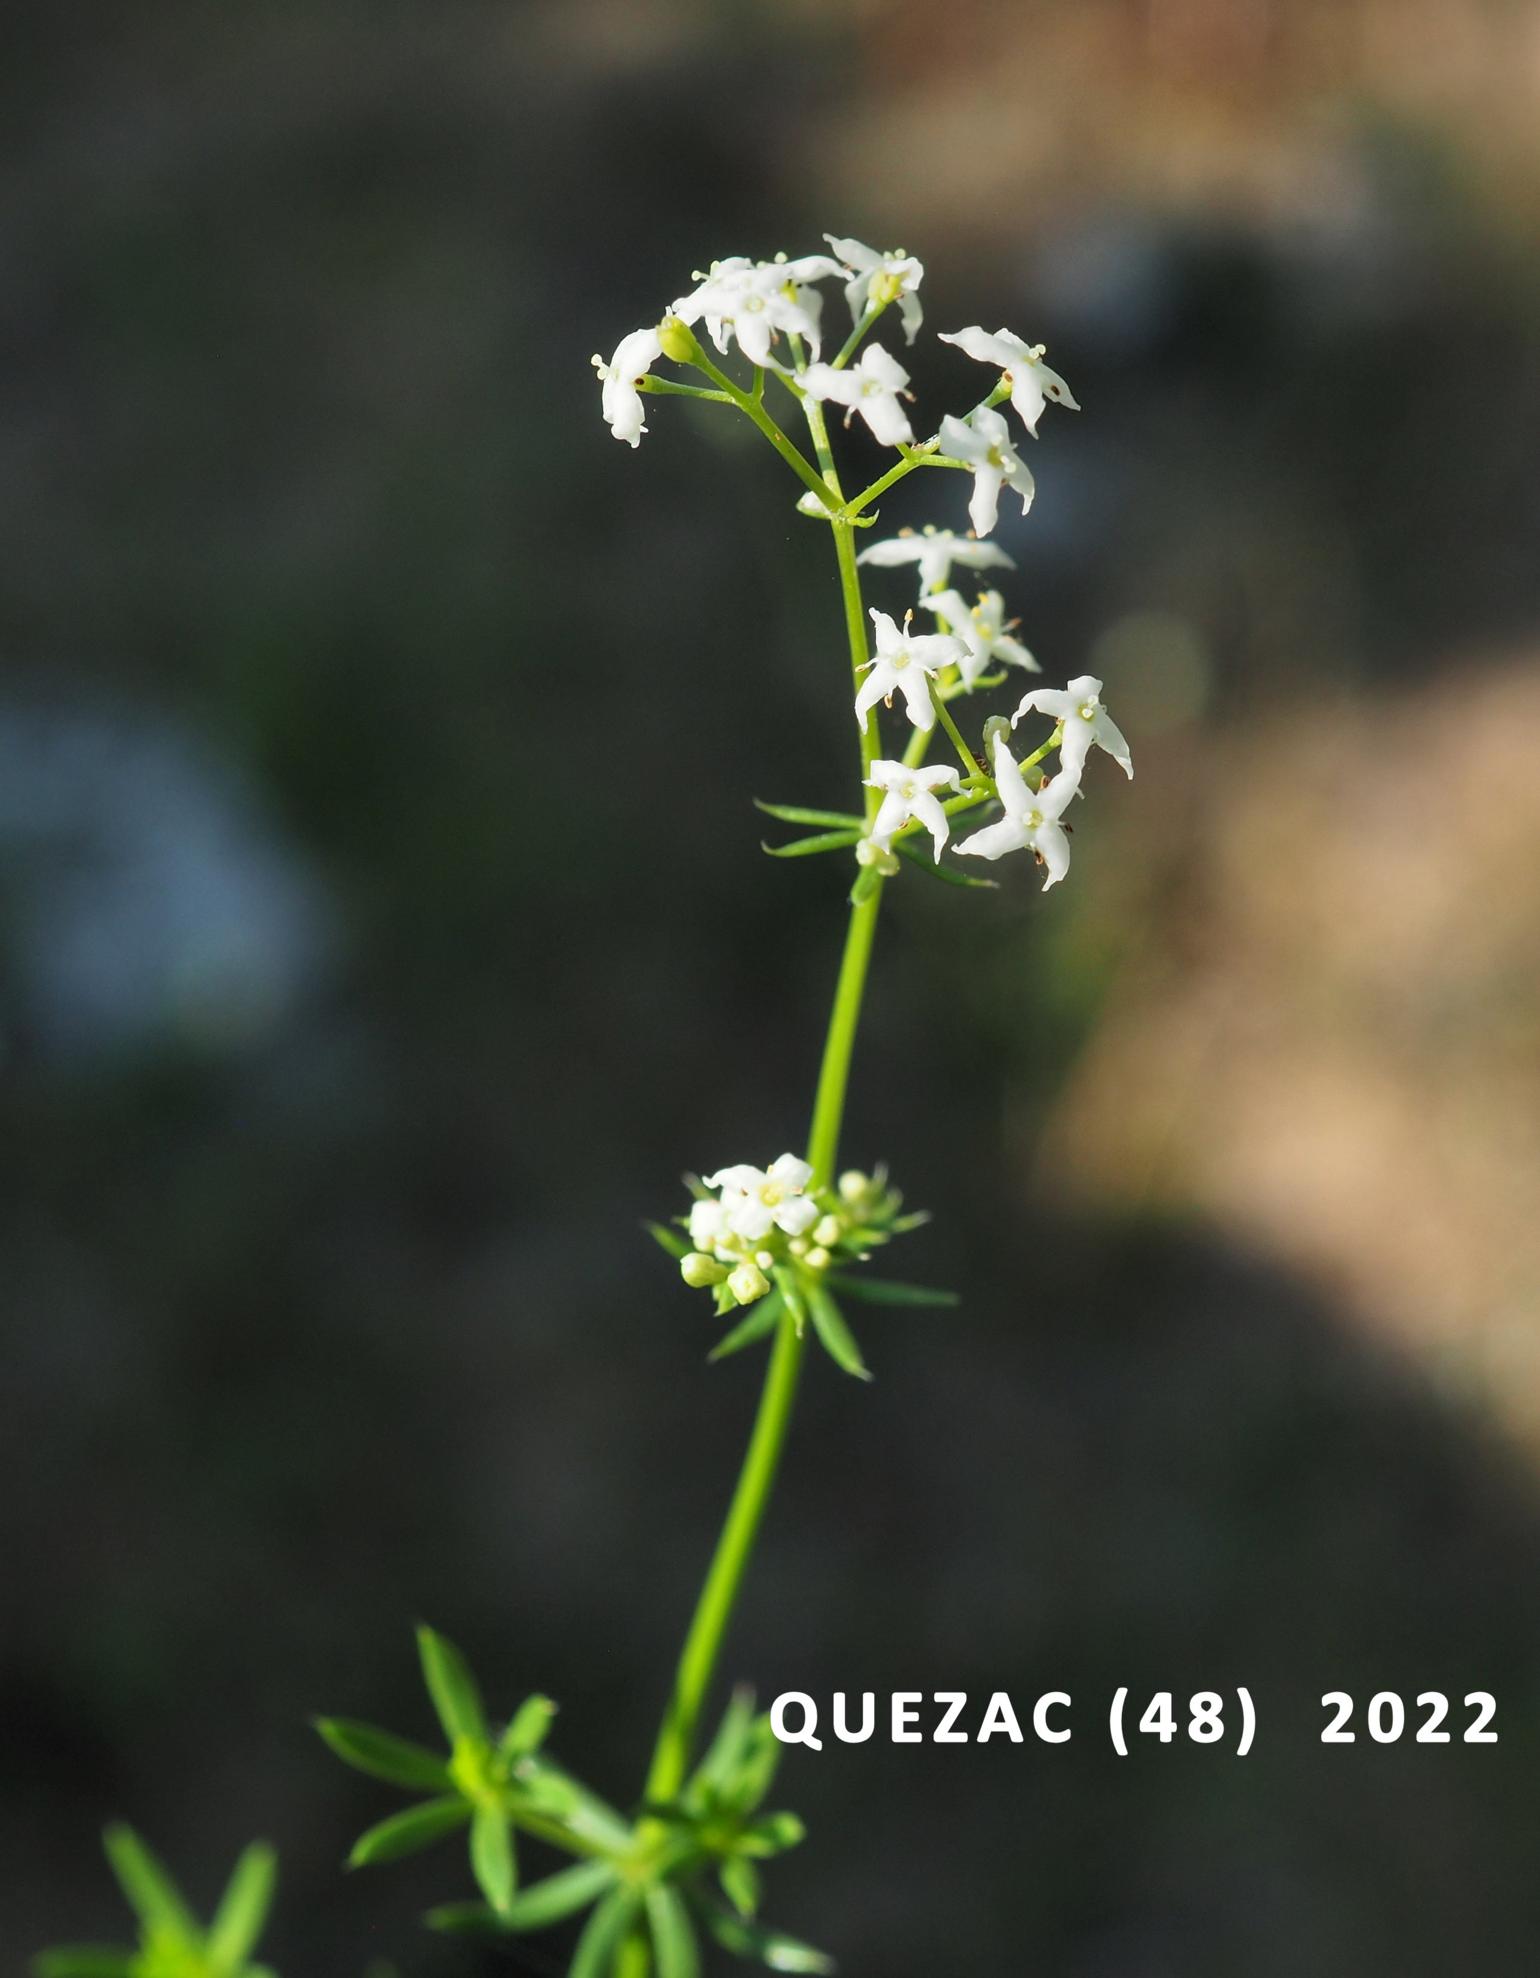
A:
(602, 1934)
(672, 1240)
(243, 1908)
(947, 874)
(838, 1340)
(773, 1835)
(84, 1961)
(529, 1728)
(740, 1884)
(451, 1686)
(745, 1938)
(761, 1319)
(152, 1895)
(383, 1755)
(492, 1857)
(756, 1768)
(888, 1291)
(797, 814)
(537, 1907)
(673, 1938)
(467, 1919)
(801, 848)
(725, 1753)
(791, 1290)
(404, 1833)
(551, 1791)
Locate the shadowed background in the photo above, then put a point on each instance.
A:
(382, 931)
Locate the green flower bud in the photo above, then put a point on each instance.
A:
(995, 725)
(678, 340)
(747, 1283)
(699, 1270)
(829, 1229)
(818, 1260)
(853, 1185)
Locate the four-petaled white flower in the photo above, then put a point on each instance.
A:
(877, 277)
(1031, 820)
(634, 357)
(984, 441)
(871, 387)
(910, 793)
(759, 301)
(1087, 724)
(903, 665)
(755, 1200)
(935, 551)
(983, 631)
(1032, 382)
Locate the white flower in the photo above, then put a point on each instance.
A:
(983, 631)
(984, 442)
(935, 551)
(634, 357)
(903, 665)
(910, 793)
(1032, 383)
(871, 387)
(756, 1199)
(1087, 723)
(877, 277)
(1031, 820)
(759, 301)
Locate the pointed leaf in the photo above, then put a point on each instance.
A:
(674, 1241)
(383, 1755)
(152, 1895)
(761, 1319)
(404, 1833)
(531, 1722)
(757, 1765)
(535, 1908)
(740, 1884)
(492, 1856)
(947, 874)
(243, 1908)
(797, 814)
(550, 1791)
(838, 1340)
(772, 1835)
(452, 1687)
(725, 1754)
(790, 1288)
(84, 1961)
(603, 1933)
(888, 1291)
(673, 1938)
(771, 1947)
(801, 848)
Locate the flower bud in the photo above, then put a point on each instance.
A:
(798, 1246)
(678, 340)
(818, 1260)
(829, 1229)
(853, 1185)
(699, 1270)
(747, 1283)
(995, 725)
(869, 852)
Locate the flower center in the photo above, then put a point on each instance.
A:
(1087, 710)
(771, 1194)
(900, 660)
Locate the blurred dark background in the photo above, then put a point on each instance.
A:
(382, 931)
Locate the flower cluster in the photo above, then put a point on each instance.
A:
(772, 311)
(778, 1241)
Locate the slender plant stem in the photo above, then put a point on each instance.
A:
(724, 1577)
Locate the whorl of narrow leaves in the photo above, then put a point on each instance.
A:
(173, 1943)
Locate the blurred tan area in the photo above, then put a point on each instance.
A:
(1321, 1031)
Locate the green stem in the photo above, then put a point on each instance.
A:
(852, 343)
(964, 752)
(724, 1577)
(753, 408)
